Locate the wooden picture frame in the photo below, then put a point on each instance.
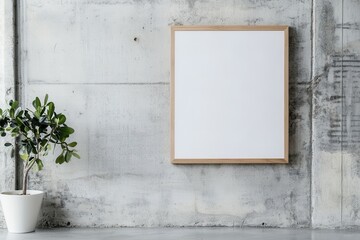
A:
(187, 44)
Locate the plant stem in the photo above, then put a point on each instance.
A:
(27, 168)
(25, 179)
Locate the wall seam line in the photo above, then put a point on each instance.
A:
(312, 30)
(342, 115)
(16, 67)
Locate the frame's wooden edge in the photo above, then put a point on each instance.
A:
(229, 28)
(230, 161)
(286, 94)
(174, 28)
(172, 95)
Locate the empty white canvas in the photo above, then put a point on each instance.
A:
(229, 94)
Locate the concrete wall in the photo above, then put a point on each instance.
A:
(106, 65)
(336, 114)
(115, 90)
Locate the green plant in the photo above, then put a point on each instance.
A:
(36, 132)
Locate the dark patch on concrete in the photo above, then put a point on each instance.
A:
(328, 26)
(349, 25)
(295, 103)
(315, 81)
(60, 204)
(290, 205)
(254, 21)
(355, 168)
(191, 3)
(269, 203)
(298, 73)
(255, 4)
(355, 208)
(337, 104)
(9, 91)
(299, 131)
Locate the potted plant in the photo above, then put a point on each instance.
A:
(36, 132)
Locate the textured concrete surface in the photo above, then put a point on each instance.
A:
(351, 109)
(7, 90)
(184, 233)
(327, 119)
(106, 65)
(336, 117)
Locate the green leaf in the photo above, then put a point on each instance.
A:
(3, 134)
(28, 147)
(39, 164)
(67, 130)
(27, 115)
(37, 113)
(46, 99)
(19, 121)
(12, 112)
(43, 142)
(19, 112)
(37, 102)
(72, 144)
(67, 156)
(14, 104)
(48, 147)
(24, 156)
(76, 155)
(33, 148)
(51, 110)
(60, 159)
(7, 144)
(42, 110)
(61, 118)
(64, 132)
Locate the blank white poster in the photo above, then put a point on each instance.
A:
(229, 94)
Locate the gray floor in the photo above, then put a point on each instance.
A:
(183, 234)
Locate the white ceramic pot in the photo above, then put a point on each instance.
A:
(21, 211)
